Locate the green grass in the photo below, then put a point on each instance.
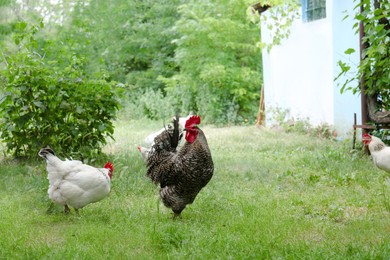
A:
(273, 195)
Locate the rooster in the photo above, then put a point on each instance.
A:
(379, 151)
(182, 172)
(74, 184)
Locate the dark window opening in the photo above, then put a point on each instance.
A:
(313, 10)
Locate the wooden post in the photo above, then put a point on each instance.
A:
(261, 115)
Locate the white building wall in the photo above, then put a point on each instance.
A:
(344, 37)
(299, 74)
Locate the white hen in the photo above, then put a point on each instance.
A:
(379, 151)
(74, 184)
(144, 152)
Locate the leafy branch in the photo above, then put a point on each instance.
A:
(374, 69)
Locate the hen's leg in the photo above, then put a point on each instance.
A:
(67, 209)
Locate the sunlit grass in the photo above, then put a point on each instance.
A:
(273, 195)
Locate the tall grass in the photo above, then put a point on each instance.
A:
(274, 195)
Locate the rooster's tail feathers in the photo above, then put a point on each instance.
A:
(175, 134)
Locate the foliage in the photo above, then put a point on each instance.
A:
(279, 20)
(383, 134)
(375, 64)
(52, 102)
(134, 45)
(220, 65)
(201, 57)
(211, 67)
(6, 24)
(154, 105)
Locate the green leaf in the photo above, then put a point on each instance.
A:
(345, 17)
(80, 109)
(349, 51)
(21, 26)
(39, 104)
(17, 40)
(360, 17)
(101, 128)
(4, 98)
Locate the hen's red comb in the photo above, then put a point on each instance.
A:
(193, 120)
(366, 136)
(109, 166)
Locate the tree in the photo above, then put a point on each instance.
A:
(220, 64)
(134, 46)
(130, 39)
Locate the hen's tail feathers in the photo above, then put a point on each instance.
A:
(44, 152)
(175, 134)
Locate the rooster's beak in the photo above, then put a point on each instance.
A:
(366, 140)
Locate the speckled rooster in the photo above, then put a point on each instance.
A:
(182, 172)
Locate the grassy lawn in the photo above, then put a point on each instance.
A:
(273, 195)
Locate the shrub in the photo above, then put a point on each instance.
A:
(44, 104)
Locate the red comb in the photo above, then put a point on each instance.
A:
(109, 166)
(366, 135)
(193, 120)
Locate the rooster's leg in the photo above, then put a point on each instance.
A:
(67, 209)
(177, 213)
(176, 216)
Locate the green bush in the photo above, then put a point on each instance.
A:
(43, 104)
